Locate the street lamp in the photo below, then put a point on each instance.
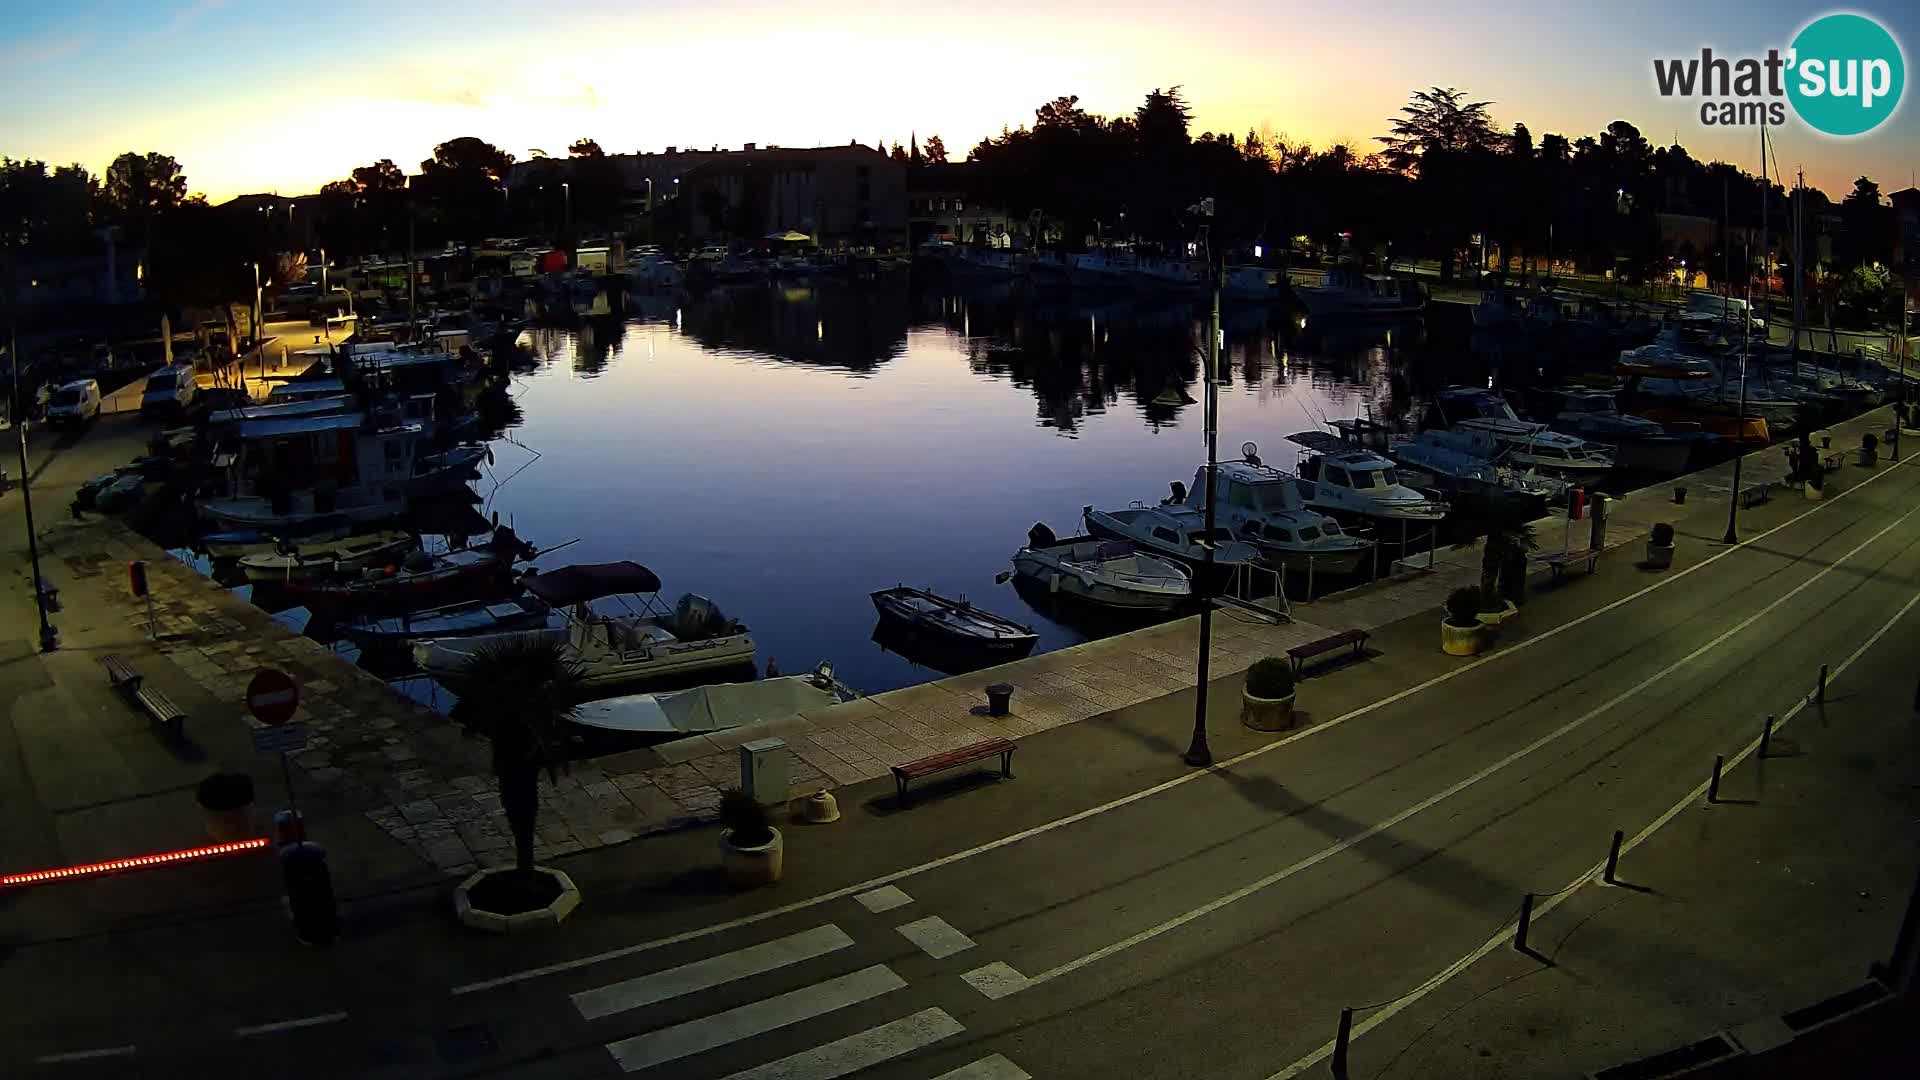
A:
(566, 206)
(49, 638)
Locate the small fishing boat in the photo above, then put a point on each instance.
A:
(1496, 433)
(327, 559)
(714, 708)
(1262, 506)
(449, 620)
(1340, 478)
(1110, 573)
(1179, 532)
(954, 624)
(1347, 293)
(422, 580)
(448, 472)
(238, 543)
(1457, 463)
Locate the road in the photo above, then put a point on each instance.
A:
(1209, 924)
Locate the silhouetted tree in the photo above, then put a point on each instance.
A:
(934, 150)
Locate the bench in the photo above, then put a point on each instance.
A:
(157, 705)
(1834, 461)
(1755, 495)
(1558, 561)
(1300, 654)
(948, 759)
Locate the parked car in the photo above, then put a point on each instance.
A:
(170, 391)
(74, 405)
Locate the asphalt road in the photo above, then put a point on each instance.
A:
(1212, 926)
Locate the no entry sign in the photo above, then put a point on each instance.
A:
(272, 697)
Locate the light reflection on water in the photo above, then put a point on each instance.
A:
(788, 449)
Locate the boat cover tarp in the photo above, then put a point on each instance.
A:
(591, 581)
(705, 708)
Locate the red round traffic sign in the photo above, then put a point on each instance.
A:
(272, 697)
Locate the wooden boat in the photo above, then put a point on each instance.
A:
(1105, 572)
(955, 624)
(449, 620)
(421, 581)
(327, 558)
(714, 708)
(238, 543)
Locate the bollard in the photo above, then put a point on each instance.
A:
(1766, 736)
(1820, 692)
(1713, 786)
(1526, 917)
(1613, 856)
(1338, 1064)
(1916, 697)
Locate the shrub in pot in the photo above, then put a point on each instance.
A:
(1816, 485)
(1267, 698)
(226, 799)
(751, 851)
(1461, 633)
(1660, 547)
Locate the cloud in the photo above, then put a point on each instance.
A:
(32, 52)
(185, 17)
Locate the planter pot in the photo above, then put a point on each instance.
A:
(227, 826)
(1659, 556)
(1461, 640)
(1495, 618)
(1679, 496)
(750, 867)
(1867, 457)
(1814, 494)
(1266, 714)
(519, 922)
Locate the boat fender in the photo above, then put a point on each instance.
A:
(1053, 583)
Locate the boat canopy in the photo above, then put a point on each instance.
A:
(578, 584)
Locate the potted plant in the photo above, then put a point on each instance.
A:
(1461, 632)
(1266, 700)
(1815, 484)
(750, 847)
(520, 694)
(1660, 547)
(227, 801)
(1508, 534)
(1869, 449)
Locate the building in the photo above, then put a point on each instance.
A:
(286, 221)
(840, 196)
(1906, 230)
(944, 203)
(111, 276)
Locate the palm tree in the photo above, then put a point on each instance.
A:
(520, 694)
(1508, 532)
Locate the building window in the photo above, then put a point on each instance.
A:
(958, 206)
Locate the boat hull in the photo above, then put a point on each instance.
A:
(446, 659)
(1063, 580)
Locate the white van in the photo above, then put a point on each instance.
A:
(170, 390)
(75, 404)
(1731, 308)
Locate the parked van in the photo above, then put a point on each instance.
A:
(75, 404)
(170, 390)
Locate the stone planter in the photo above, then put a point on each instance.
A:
(1462, 640)
(1814, 494)
(1495, 618)
(750, 867)
(1266, 714)
(521, 922)
(1659, 556)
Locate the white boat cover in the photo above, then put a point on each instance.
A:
(705, 708)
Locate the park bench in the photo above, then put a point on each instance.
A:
(948, 759)
(157, 705)
(1754, 495)
(1834, 461)
(1300, 654)
(1558, 561)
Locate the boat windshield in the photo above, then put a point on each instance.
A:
(1309, 533)
(1374, 479)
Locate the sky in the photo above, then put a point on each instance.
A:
(265, 97)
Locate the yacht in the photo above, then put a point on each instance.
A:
(1341, 478)
(1261, 505)
(1350, 294)
(1498, 434)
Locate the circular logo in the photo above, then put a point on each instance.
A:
(1847, 74)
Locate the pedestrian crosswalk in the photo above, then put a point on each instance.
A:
(773, 1027)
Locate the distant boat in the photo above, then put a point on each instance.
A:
(1498, 434)
(1110, 573)
(714, 708)
(939, 621)
(1347, 293)
(237, 543)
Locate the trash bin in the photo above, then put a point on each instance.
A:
(998, 696)
(309, 885)
(289, 827)
(1679, 496)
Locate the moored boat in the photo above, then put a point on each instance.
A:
(1109, 573)
(327, 559)
(955, 624)
(714, 708)
(448, 620)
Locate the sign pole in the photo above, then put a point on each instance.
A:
(293, 804)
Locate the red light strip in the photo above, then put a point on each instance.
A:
(138, 862)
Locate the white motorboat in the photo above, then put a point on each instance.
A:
(1178, 532)
(1341, 478)
(612, 650)
(1348, 293)
(1638, 443)
(1494, 432)
(1262, 506)
(714, 708)
(1111, 573)
(327, 559)
(1455, 462)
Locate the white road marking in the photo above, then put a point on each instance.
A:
(991, 1067)
(1504, 935)
(289, 1025)
(84, 1055)
(936, 937)
(860, 1051)
(885, 898)
(719, 1029)
(710, 972)
(996, 980)
(1147, 793)
(1457, 786)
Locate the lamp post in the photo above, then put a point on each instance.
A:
(1198, 753)
(49, 638)
(1746, 335)
(566, 207)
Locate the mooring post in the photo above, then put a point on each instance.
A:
(1820, 692)
(1526, 917)
(1766, 736)
(1713, 786)
(1613, 856)
(1338, 1063)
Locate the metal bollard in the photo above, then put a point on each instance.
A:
(1526, 918)
(1713, 786)
(1766, 736)
(1820, 692)
(1613, 856)
(1338, 1064)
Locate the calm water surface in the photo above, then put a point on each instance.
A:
(786, 450)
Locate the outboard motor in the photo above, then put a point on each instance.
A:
(1040, 536)
(1179, 495)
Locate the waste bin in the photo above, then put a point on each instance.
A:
(309, 885)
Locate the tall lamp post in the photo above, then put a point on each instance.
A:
(1746, 334)
(1198, 753)
(49, 638)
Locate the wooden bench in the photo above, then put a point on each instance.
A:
(157, 705)
(1754, 495)
(1558, 561)
(1834, 461)
(948, 759)
(1300, 654)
